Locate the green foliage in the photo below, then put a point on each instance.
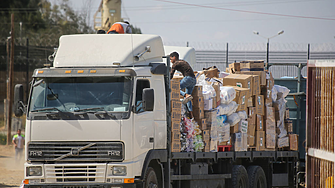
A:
(3, 139)
(42, 23)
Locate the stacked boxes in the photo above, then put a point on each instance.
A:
(175, 115)
(253, 119)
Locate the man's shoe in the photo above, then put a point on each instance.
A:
(187, 99)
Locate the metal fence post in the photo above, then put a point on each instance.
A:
(27, 69)
(227, 55)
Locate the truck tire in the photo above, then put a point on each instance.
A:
(150, 179)
(239, 178)
(257, 178)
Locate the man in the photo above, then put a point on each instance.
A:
(18, 141)
(120, 28)
(187, 83)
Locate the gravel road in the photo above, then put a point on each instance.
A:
(11, 172)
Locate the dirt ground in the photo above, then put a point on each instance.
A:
(11, 172)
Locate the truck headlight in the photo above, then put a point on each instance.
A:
(34, 171)
(119, 170)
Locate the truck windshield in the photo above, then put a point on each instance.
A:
(72, 94)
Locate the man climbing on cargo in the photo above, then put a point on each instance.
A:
(120, 28)
(187, 83)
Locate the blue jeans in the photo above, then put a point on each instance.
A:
(188, 84)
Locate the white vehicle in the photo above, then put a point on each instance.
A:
(100, 117)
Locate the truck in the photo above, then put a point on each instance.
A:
(100, 116)
(320, 123)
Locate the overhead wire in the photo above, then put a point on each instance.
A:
(247, 11)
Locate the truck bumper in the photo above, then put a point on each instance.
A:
(101, 185)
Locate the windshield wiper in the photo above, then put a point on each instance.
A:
(45, 109)
(87, 109)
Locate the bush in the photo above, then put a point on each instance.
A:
(3, 139)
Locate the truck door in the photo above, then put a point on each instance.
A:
(143, 120)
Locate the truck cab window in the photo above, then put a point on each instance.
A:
(141, 84)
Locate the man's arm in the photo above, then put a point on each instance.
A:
(13, 141)
(172, 71)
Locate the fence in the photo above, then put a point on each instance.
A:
(28, 57)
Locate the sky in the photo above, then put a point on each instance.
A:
(229, 21)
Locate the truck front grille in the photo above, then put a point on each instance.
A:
(58, 152)
(55, 173)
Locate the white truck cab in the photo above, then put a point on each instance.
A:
(87, 122)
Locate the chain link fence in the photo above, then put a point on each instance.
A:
(29, 57)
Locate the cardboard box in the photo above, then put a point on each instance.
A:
(175, 125)
(270, 140)
(250, 102)
(198, 102)
(242, 95)
(260, 140)
(294, 142)
(216, 87)
(175, 135)
(251, 127)
(289, 126)
(214, 105)
(208, 104)
(283, 142)
(198, 113)
(206, 146)
(256, 85)
(201, 123)
(240, 141)
(233, 67)
(287, 114)
(252, 113)
(251, 140)
(175, 85)
(261, 74)
(260, 123)
(175, 146)
(270, 82)
(197, 91)
(205, 135)
(270, 114)
(240, 80)
(210, 117)
(175, 95)
(234, 129)
(243, 126)
(252, 65)
(176, 116)
(212, 72)
(176, 105)
(259, 104)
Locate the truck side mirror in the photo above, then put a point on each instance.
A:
(148, 99)
(18, 100)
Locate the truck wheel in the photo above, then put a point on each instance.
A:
(257, 178)
(150, 179)
(239, 177)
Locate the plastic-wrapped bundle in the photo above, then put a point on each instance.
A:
(208, 91)
(189, 127)
(221, 119)
(224, 132)
(233, 119)
(243, 115)
(227, 94)
(280, 107)
(227, 109)
(198, 143)
(183, 142)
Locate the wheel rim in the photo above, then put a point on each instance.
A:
(153, 185)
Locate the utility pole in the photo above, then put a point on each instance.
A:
(10, 85)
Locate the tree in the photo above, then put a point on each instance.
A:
(43, 23)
